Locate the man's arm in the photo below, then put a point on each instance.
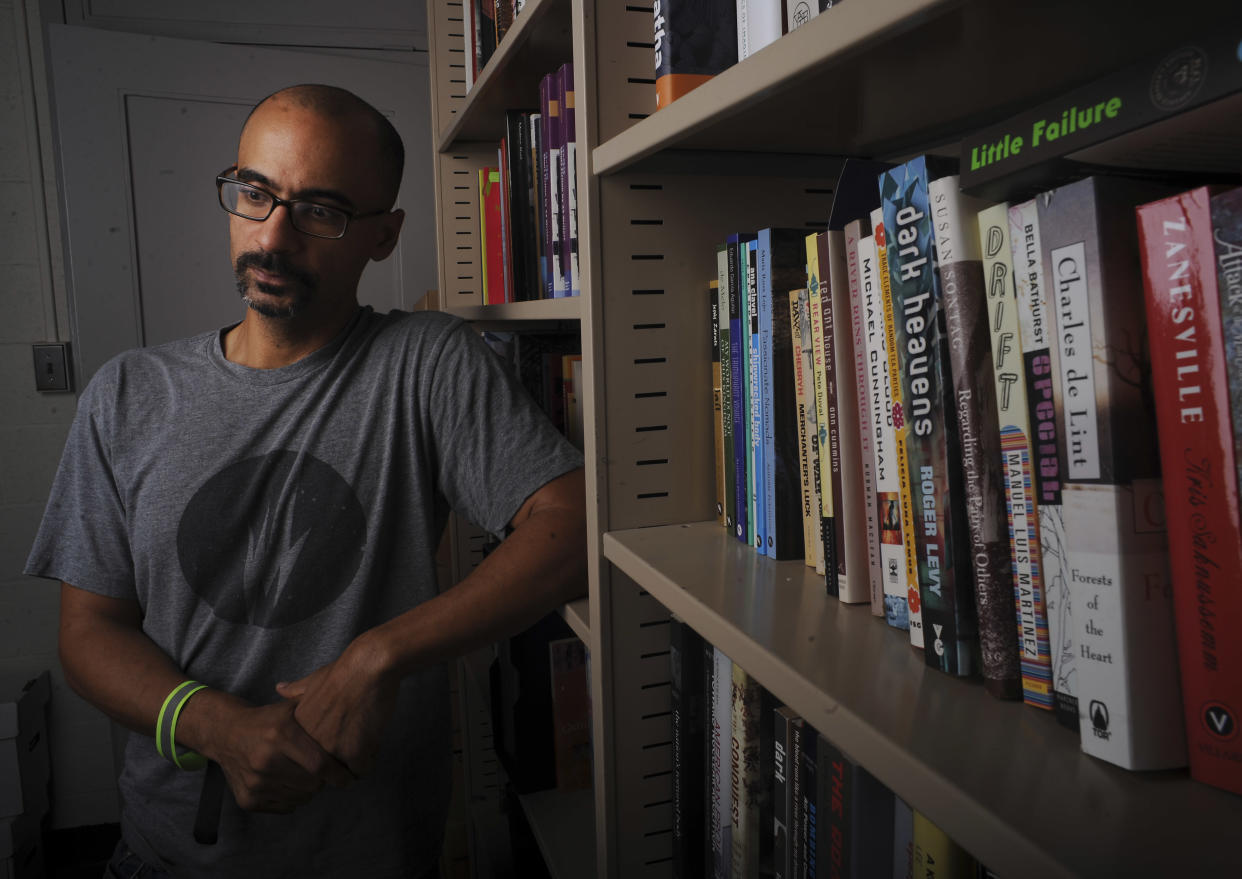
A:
(270, 762)
(539, 566)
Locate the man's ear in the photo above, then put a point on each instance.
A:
(390, 230)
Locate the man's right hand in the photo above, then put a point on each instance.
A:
(269, 760)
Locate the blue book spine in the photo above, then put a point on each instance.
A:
(767, 357)
(759, 515)
(737, 363)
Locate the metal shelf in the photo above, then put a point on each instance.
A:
(539, 309)
(1001, 778)
(564, 826)
(578, 614)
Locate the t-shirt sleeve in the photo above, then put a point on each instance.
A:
(494, 447)
(83, 538)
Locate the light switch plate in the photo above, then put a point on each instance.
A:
(51, 363)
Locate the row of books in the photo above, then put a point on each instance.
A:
(694, 40)
(757, 791)
(549, 367)
(947, 406)
(484, 25)
(528, 202)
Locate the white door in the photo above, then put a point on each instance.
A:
(144, 125)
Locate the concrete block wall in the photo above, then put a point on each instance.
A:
(33, 425)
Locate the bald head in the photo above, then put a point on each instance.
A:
(372, 131)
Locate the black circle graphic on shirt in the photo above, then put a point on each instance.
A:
(271, 541)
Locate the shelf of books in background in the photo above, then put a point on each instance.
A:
(528, 201)
(961, 360)
(758, 791)
(694, 40)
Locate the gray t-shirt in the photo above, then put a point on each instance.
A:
(264, 518)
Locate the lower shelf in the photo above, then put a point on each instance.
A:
(1001, 778)
(564, 826)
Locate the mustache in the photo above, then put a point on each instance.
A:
(273, 263)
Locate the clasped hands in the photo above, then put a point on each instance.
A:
(326, 730)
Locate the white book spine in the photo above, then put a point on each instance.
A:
(1129, 703)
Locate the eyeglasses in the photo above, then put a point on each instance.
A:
(252, 203)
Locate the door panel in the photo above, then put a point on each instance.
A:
(143, 126)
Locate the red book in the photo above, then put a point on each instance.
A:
(506, 221)
(491, 236)
(1197, 458)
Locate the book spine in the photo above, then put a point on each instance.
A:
(797, 859)
(933, 455)
(722, 797)
(1016, 458)
(759, 23)
(903, 840)
(692, 43)
(569, 182)
(726, 386)
(713, 305)
(936, 855)
(547, 166)
(810, 802)
(810, 427)
(783, 268)
(687, 691)
(710, 802)
(860, 254)
(901, 430)
(503, 14)
(955, 223)
(755, 481)
(822, 465)
(748, 782)
(854, 573)
(871, 825)
(737, 355)
(836, 793)
(470, 40)
(799, 322)
(1189, 377)
(1129, 695)
(766, 300)
(1040, 359)
(887, 484)
(506, 223)
(782, 720)
(1227, 233)
(556, 193)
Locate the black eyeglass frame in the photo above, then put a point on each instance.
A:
(350, 216)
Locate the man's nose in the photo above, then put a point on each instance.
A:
(276, 234)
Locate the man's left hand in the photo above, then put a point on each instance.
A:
(345, 706)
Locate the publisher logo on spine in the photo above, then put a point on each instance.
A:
(1220, 720)
(1098, 713)
(1178, 78)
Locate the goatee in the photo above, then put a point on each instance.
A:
(297, 290)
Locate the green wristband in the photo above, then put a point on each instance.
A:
(166, 727)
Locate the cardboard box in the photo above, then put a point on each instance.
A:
(25, 767)
(21, 848)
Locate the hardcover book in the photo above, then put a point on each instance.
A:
(1016, 464)
(740, 367)
(720, 812)
(549, 156)
(751, 760)
(1197, 454)
(726, 386)
(523, 209)
(490, 236)
(1129, 697)
(713, 306)
(821, 466)
(687, 686)
(809, 781)
(933, 450)
(880, 394)
(860, 257)
(693, 41)
(1227, 233)
(853, 570)
(568, 185)
(756, 484)
(784, 719)
(1041, 361)
(960, 264)
(781, 267)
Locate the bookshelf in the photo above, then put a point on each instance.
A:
(760, 145)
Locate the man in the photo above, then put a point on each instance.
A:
(257, 509)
